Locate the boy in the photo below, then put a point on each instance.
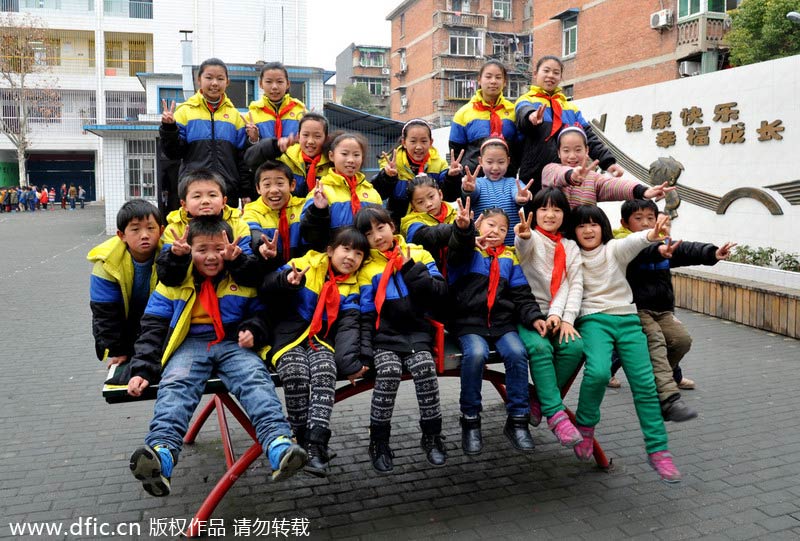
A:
(194, 330)
(650, 279)
(122, 279)
(202, 193)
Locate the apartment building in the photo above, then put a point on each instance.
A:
(366, 65)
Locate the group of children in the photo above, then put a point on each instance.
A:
(327, 275)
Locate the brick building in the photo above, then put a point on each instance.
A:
(438, 46)
(366, 65)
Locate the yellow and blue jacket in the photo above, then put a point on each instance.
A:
(423, 229)
(110, 291)
(290, 119)
(293, 307)
(263, 220)
(267, 149)
(470, 128)
(167, 321)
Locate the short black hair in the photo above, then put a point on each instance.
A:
(273, 165)
(551, 196)
(420, 181)
(632, 205)
(351, 237)
(269, 66)
(199, 175)
(208, 62)
(496, 211)
(137, 209)
(370, 214)
(590, 214)
(208, 226)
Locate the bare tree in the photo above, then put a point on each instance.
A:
(25, 88)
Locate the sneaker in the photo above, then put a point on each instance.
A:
(675, 409)
(661, 461)
(381, 455)
(536, 412)
(565, 431)
(585, 449)
(153, 467)
(686, 384)
(435, 452)
(286, 458)
(614, 383)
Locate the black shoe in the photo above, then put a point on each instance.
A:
(516, 430)
(381, 455)
(318, 459)
(471, 440)
(435, 452)
(675, 409)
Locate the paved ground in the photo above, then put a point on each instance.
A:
(64, 451)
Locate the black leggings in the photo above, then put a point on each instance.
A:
(388, 369)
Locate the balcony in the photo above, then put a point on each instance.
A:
(700, 33)
(457, 63)
(461, 19)
(50, 112)
(128, 54)
(47, 6)
(56, 52)
(133, 9)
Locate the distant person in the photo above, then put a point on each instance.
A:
(72, 195)
(82, 196)
(51, 196)
(44, 197)
(64, 196)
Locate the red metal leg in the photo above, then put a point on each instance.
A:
(225, 433)
(194, 428)
(240, 415)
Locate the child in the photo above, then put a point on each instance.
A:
(415, 156)
(317, 335)
(552, 265)
(608, 321)
(540, 115)
(339, 194)
(488, 297)
(431, 221)
(192, 331)
(399, 285)
(495, 189)
(274, 218)
(277, 113)
(122, 279)
(488, 114)
(307, 158)
(582, 185)
(202, 193)
(651, 282)
(207, 131)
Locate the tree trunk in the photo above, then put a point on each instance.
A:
(23, 172)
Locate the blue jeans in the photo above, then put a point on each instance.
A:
(184, 378)
(475, 351)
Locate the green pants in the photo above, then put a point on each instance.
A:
(601, 334)
(552, 364)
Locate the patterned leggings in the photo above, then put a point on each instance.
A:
(388, 369)
(309, 385)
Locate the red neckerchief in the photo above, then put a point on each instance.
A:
(394, 262)
(355, 202)
(283, 231)
(443, 210)
(311, 173)
(559, 262)
(441, 217)
(421, 164)
(277, 116)
(210, 303)
(555, 105)
(494, 279)
(328, 301)
(495, 124)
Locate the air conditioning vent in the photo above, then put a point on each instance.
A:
(661, 19)
(386, 71)
(687, 68)
(497, 14)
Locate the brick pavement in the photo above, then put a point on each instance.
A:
(64, 451)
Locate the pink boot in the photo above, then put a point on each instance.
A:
(585, 449)
(565, 431)
(661, 461)
(536, 412)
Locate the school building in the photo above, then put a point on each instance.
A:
(366, 65)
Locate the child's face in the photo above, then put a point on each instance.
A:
(572, 150)
(640, 220)
(207, 253)
(550, 218)
(381, 236)
(491, 82)
(494, 162)
(426, 199)
(141, 236)
(417, 142)
(275, 189)
(347, 157)
(311, 137)
(274, 84)
(345, 259)
(589, 235)
(213, 82)
(203, 198)
(548, 76)
(494, 229)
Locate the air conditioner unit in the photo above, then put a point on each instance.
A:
(687, 68)
(386, 71)
(661, 19)
(497, 14)
(387, 91)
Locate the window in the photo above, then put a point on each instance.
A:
(46, 108)
(568, 91)
(465, 45)
(403, 61)
(375, 87)
(46, 52)
(516, 88)
(402, 24)
(502, 8)
(688, 8)
(372, 59)
(114, 56)
(140, 169)
(298, 90)
(569, 41)
(140, 9)
(170, 94)
(9, 5)
(242, 92)
(462, 87)
(125, 106)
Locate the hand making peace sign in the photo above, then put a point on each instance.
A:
(463, 214)
(537, 116)
(580, 173)
(391, 163)
(179, 245)
(268, 248)
(295, 277)
(455, 163)
(523, 228)
(468, 183)
(524, 193)
(232, 249)
(251, 128)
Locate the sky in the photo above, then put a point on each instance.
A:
(335, 24)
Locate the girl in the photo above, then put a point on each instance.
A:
(552, 265)
(540, 114)
(207, 132)
(276, 114)
(339, 194)
(413, 157)
(307, 157)
(582, 185)
(488, 297)
(431, 221)
(488, 114)
(495, 189)
(316, 335)
(607, 321)
(398, 286)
